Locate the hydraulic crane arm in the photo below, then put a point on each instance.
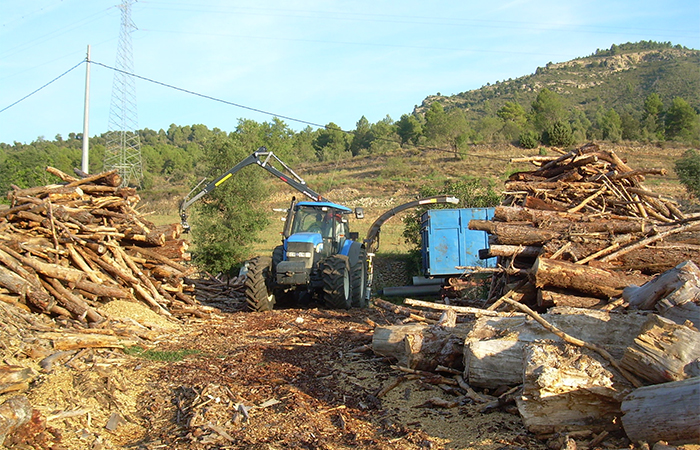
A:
(262, 158)
(372, 239)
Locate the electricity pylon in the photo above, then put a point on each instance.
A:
(123, 147)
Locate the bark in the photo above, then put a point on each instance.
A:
(668, 412)
(508, 234)
(493, 352)
(580, 278)
(657, 259)
(546, 298)
(110, 178)
(568, 389)
(646, 296)
(50, 270)
(664, 351)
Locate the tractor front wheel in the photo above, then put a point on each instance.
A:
(336, 282)
(259, 296)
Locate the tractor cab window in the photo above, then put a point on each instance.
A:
(308, 220)
(327, 221)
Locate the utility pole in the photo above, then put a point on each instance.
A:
(85, 162)
(123, 147)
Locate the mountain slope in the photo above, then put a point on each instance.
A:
(619, 78)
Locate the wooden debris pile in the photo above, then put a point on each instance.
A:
(576, 373)
(613, 267)
(67, 248)
(583, 227)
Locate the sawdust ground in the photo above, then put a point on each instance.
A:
(294, 375)
(287, 379)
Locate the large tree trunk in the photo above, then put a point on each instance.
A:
(493, 352)
(389, 340)
(646, 296)
(668, 412)
(586, 279)
(421, 346)
(664, 351)
(435, 346)
(567, 388)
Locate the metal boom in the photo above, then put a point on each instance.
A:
(261, 157)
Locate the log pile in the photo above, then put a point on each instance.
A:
(583, 227)
(614, 268)
(67, 248)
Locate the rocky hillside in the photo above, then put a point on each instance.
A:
(618, 78)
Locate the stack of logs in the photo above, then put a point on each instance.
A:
(65, 248)
(581, 228)
(614, 268)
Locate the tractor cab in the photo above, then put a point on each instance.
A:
(326, 219)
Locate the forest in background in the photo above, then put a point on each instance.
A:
(645, 92)
(641, 92)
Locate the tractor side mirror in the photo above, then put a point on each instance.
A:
(359, 213)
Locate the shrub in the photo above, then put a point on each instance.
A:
(529, 139)
(688, 170)
(559, 134)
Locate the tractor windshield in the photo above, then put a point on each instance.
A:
(327, 221)
(308, 219)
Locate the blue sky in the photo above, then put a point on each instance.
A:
(313, 61)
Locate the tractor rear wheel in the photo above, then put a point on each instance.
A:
(336, 282)
(259, 296)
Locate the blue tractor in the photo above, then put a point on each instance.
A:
(319, 258)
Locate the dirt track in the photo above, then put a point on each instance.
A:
(286, 379)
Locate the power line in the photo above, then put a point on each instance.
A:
(42, 87)
(226, 102)
(209, 97)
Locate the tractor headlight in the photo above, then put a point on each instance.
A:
(299, 254)
(319, 247)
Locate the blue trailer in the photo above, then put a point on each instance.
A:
(449, 243)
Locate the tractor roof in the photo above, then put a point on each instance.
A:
(342, 208)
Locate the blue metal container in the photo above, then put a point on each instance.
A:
(448, 242)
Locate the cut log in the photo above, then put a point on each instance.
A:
(664, 412)
(389, 340)
(493, 351)
(50, 270)
(175, 250)
(657, 259)
(646, 296)
(421, 346)
(508, 234)
(111, 178)
(73, 303)
(567, 389)
(35, 296)
(664, 351)
(103, 290)
(435, 346)
(682, 305)
(457, 309)
(586, 279)
(520, 251)
(76, 341)
(546, 298)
